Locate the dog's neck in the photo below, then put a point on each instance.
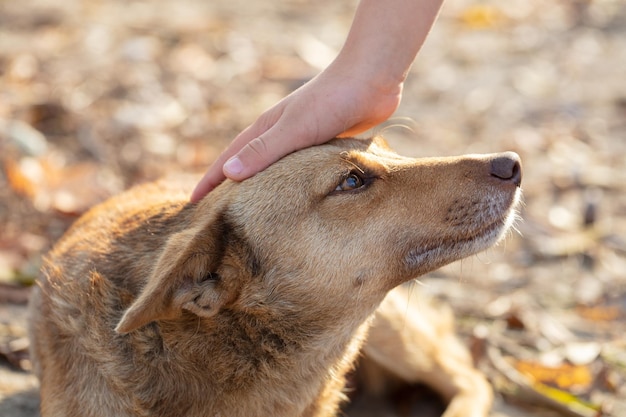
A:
(290, 351)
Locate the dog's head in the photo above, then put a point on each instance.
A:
(328, 227)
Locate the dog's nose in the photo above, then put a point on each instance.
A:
(507, 167)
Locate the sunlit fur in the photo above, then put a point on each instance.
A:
(256, 300)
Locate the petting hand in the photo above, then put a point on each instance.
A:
(336, 102)
(361, 88)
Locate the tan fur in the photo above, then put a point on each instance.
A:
(412, 340)
(255, 301)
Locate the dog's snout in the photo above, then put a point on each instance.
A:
(507, 167)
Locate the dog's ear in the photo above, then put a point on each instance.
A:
(184, 277)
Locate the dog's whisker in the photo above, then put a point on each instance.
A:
(358, 168)
(486, 261)
(416, 281)
(406, 123)
(409, 293)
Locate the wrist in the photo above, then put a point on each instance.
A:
(384, 39)
(368, 71)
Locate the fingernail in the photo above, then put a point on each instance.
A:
(233, 166)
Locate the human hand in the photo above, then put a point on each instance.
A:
(360, 89)
(341, 101)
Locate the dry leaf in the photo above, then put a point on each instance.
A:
(571, 402)
(565, 376)
(20, 181)
(534, 392)
(600, 313)
(50, 185)
(481, 16)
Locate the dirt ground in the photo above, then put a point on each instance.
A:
(96, 96)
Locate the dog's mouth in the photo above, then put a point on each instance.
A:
(437, 254)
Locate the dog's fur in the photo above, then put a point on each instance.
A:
(256, 300)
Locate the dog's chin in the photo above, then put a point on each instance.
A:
(421, 260)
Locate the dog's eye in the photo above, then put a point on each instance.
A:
(352, 182)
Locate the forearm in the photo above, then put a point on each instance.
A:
(385, 37)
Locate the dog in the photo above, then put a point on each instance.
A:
(257, 300)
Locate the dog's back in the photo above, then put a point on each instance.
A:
(87, 283)
(254, 301)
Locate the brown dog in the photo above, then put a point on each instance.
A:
(255, 301)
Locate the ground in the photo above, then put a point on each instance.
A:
(96, 96)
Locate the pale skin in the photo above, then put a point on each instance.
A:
(361, 88)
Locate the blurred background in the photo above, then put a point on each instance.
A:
(96, 96)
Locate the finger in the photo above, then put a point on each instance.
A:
(214, 176)
(266, 149)
(211, 179)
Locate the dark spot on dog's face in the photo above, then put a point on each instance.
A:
(233, 237)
